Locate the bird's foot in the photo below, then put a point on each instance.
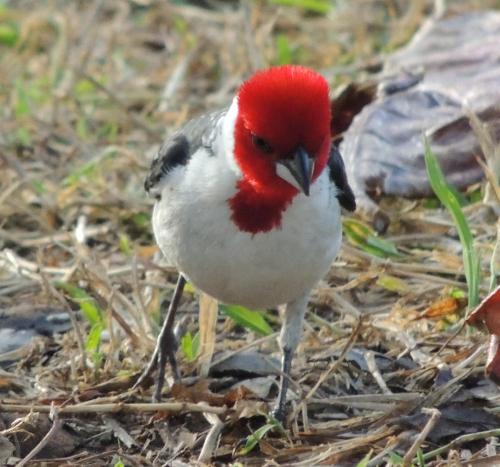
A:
(279, 413)
(153, 362)
(164, 351)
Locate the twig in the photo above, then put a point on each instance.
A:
(448, 341)
(210, 444)
(435, 414)
(56, 424)
(176, 407)
(305, 418)
(207, 322)
(381, 398)
(372, 366)
(346, 306)
(473, 356)
(461, 440)
(34, 241)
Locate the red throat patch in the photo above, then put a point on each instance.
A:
(254, 213)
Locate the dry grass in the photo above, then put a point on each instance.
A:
(86, 95)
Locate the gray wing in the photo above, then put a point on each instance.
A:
(339, 178)
(178, 149)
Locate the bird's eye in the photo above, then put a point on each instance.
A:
(261, 144)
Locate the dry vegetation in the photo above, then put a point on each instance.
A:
(88, 89)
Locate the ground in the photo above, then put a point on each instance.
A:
(385, 371)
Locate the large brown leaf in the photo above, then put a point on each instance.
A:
(459, 63)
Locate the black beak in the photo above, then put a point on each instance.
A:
(298, 170)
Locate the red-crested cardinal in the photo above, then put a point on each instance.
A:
(248, 204)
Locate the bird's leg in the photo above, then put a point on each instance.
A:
(289, 340)
(165, 345)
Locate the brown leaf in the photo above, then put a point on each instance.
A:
(146, 251)
(444, 306)
(456, 419)
(236, 394)
(245, 408)
(198, 392)
(267, 448)
(383, 156)
(459, 356)
(492, 369)
(488, 312)
(348, 102)
(33, 428)
(8, 383)
(116, 384)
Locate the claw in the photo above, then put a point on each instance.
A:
(279, 413)
(165, 347)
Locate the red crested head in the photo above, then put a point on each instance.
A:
(282, 141)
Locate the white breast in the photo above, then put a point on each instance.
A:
(193, 227)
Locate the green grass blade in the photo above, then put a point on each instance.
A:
(284, 51)
(190, 345)
(249, 319)
(365, 238)
(494, 257)
(9, 34)
(447, 197)
(255, 437)
(88, 306)
(420, 458)
(364, 462)
(315, 6)
(93, 342)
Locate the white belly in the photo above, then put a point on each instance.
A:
(197, 236)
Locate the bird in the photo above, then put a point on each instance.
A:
(248, 203)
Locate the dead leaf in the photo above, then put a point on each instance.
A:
(33, 427)
(9, 383)
(120, 432)
(259, 387)
(268, 449)
(249, 363)
(348, 102)
(236, 394)
(7, 450)
(488, 312)
(383, 156)
(198, 392)
(458, 356)
(492, 369)
(248, 409)
(393, 284)
(447, 259)
(456, 419)
(443, 307)
(146, 251)
(116, 384)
